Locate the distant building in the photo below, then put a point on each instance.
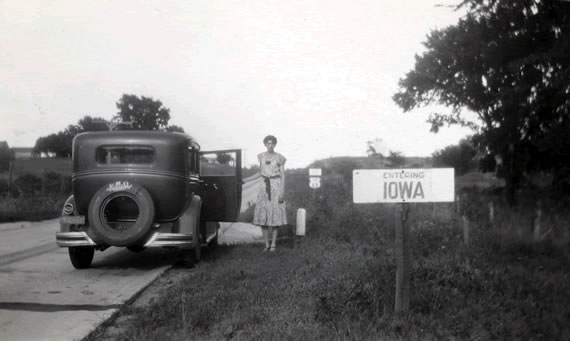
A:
(23, 152)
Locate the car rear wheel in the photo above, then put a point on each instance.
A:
(121, 214)
(81, 256)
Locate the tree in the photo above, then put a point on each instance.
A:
(396, 159)
(6, 156)
(374, 148)
(145, 113)
(60, 144)
(174, 128)
(506, 61)
(88, 123)
(460, 156)
(142, 114)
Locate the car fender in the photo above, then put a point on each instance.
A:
(189, 221)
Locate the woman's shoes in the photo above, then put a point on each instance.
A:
(272, 249)
(266, 249)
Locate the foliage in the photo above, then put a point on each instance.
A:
(506, 61)
(33, 197)
(144, 113)
(224, 158)
(31, 207)
(88, 123)
(373, 148)
(460, 156)
(6, 156)
(174, 128)
(28, 184)
(396, 159)
(60, 144)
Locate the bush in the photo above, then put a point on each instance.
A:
(28, 184)
(460, 156)
(4, 187)
(30, 208)
(56, 183)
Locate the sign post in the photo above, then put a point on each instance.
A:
(403, 186)
(402, 301)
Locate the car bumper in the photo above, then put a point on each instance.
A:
(69, 239)
(158, 239)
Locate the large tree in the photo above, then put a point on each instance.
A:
(508, 62)
(59, 144)
(143, 113)
(135, 113)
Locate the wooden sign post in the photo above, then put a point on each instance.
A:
(403, 186)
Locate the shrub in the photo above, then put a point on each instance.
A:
(28, 184)
(460, 156)
(4, 187)
(55, 183)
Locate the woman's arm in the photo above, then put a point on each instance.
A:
(253, 177)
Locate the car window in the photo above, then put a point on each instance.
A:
(110, 155)
(218, 164)
(192, 161)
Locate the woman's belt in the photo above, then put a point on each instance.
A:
(267, 181)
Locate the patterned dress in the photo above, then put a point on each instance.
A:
(268, 210)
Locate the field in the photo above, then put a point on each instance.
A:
(338, 282)
(38, 190)
(40, 165)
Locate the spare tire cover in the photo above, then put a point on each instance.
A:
(136, 231)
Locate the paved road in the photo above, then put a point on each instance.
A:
(42, 297)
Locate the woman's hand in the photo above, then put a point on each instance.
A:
(281, 198)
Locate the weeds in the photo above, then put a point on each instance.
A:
(339, 281)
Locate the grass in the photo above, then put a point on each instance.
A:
(338, 282)
(30, 207)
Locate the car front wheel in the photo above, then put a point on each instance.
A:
(81, 257)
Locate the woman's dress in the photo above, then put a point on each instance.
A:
(268, 210)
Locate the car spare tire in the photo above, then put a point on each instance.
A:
(121, 213)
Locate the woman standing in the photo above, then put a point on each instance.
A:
(270, 206)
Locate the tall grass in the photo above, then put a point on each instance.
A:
(31, 197)
(339, 281)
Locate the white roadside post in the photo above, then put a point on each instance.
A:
(403, 186)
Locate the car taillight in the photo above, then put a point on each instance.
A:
(68, 208)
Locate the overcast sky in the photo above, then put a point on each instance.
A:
(319, 75)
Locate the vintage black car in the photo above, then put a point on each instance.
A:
(141, 189)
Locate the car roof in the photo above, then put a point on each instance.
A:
(134, 137)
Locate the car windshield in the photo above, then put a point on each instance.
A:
(125, 155)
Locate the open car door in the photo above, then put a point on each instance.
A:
(220, 184)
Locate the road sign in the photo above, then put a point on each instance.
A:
(315, 172)
(315, 182)
(403, 185)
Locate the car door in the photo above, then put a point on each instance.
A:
(220, 184)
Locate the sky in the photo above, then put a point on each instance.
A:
(317, 74)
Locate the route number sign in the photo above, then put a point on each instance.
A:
(315, 177)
